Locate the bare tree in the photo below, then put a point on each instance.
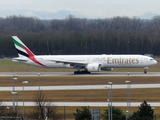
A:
(7, 112)
(44, 108)
(3, 109)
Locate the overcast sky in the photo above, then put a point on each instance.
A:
(90, 8)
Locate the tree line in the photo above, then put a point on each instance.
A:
(44, 109)
(117, 35)
(144, 112)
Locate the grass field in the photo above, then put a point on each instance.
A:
(137, 95)
(150, 95)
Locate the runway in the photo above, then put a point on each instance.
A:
(52, 74)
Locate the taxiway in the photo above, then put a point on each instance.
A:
(80, 87)
(74, 75)
(94, 104)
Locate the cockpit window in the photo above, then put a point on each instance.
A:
(151, 59)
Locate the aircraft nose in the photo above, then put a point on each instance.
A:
(155, 61)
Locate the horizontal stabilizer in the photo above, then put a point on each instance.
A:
(19, 59)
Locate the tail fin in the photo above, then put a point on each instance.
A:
(23, 51)
(21, 48)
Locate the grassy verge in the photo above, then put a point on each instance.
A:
(58, 81)
(138, 95)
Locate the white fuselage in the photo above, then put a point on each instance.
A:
(106, 61)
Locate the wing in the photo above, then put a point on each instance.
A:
(72, 63)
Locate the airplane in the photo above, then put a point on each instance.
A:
(85, 64)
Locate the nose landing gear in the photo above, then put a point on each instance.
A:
(145, 70)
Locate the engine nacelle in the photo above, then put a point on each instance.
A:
(106, 69)
(93, 67)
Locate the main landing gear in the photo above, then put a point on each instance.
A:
(82, 72)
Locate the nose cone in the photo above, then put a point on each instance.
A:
(155, 62)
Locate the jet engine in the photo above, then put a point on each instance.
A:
(93, 67)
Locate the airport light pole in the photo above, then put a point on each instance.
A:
(39, 82)
(128, 98)
(126, 114)
(13, 95)
(8, 110)
(109, 102)
(109, 114)
(154, 116)
(24, 82)
(110, 83)
(17, 104)
(15, 110)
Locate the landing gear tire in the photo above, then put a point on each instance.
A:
(82, 72)
(77, 72)
(145, 71)
(85, 72)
